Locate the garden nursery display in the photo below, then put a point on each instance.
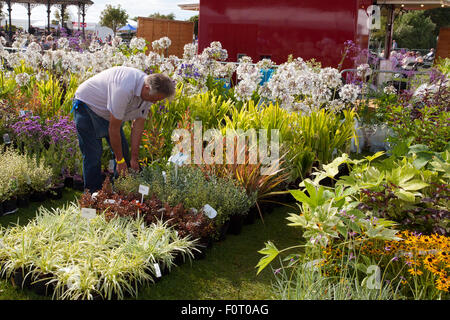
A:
(363, 169)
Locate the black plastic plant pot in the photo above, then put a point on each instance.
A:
(179, 259)
(41, 286)
(56, 192)
(38, 196)
(23, 201)
(236, 223)
(223, 231)
(68, 182)
(164, 269)
(251, 216)
(203, 246)
(18, 279)
(78, 184)
(10, 206)
(1, 209)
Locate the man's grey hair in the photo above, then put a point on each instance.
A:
(160, 83)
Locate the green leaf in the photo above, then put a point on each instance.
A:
(405, 195)
(300, 196)
(421, 161)
(376, 155)
(270, 252)
(297, 220)
(415, 185)
(418, 148)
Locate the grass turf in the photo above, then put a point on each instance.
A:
(227, 273)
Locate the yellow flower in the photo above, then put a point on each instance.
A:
(415, 272)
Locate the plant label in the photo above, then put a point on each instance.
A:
(28, 180)
(164, 175)
(111, 166)
(6, 138)
(144, 190)
(157, 270)
(209, 211)
(110, 201)
(88, 213)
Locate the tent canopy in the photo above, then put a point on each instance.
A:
(127, 27)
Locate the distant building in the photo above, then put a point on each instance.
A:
(277, 28)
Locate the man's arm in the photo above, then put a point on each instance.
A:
(136, 135)
(116, 142)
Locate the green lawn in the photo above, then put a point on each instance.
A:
(227, 272)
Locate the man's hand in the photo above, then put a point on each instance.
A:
(122, 169)
(116, 140)
(134, 164)
(136, 135)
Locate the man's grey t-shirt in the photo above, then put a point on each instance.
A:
(115, 91)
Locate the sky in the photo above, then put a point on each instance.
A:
(134, 8)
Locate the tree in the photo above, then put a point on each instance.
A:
(440, 17)
(157, 15)
(57, 16)
(415, 30)
(113, 17)
(194, 19)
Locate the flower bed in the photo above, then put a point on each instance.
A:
(22, 178)
(178, 197)
(74, 257)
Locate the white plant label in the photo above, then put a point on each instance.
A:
(111, 166)
(6, 138)
(157, 270)
(110, 201)
(88, 213)
(209, 211)
(164, 174)
(144, 190)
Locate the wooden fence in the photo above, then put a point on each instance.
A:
(179, 32)
(443, 48)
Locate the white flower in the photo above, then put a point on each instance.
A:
(34, 47)
(63, 43)
(349, 93)
(331, 77)
(22, 79)
(94, 46)
(215, 52)
(116, 42)
(165, 42)
(190, 51)
(138, 43)
(390, 90)
(364, 70)
(426, 89)
(42, 76)
(245, 59)
(244, 90)
(265, 64)
(161, 44)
